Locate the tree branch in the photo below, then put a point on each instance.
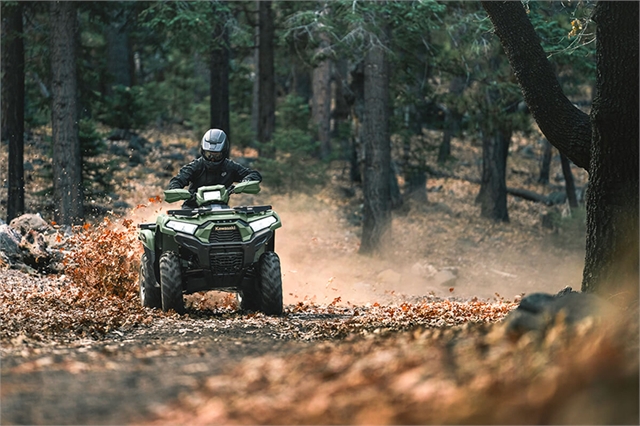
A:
(563, 124)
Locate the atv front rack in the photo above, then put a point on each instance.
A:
(241, 209)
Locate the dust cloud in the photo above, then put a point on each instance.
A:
(318, 249)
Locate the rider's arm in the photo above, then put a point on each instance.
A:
(184, 176)
(245, 173)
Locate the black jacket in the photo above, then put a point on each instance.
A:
(201, 172)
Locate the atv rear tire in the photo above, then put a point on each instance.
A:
(270, 283)
(171, 283)
(149, 289)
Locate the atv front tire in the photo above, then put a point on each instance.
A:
(171, 283)
(149, 289)
(249, 296)
(270, 283)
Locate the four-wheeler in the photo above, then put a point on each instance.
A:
(211, 247)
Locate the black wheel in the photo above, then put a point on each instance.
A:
(149, 288)
(171, 283)
(270, 283)
(249, 295)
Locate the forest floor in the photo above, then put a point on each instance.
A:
(367, 340)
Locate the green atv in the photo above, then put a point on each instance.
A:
(212, 247)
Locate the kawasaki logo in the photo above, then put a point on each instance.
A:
(224, 228)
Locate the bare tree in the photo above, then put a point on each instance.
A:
(321, 108)
(266, 75)
(220, 57)
(13, 104)
(67, 160)
(377, 152)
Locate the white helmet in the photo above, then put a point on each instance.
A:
(215, 146)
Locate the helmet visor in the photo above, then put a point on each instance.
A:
(212, 146)
(212, 155)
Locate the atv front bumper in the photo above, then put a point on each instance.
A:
(221, 265)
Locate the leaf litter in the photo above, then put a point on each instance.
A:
(394, 359)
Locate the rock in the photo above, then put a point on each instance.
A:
(389, 276)
(5, 262)
(10, 243)
(27, 222)
(556, 197)
(444, 278)
(34, 250)
(423, 269)
(453, 269)
(539, 311)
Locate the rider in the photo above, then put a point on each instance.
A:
(214, 166)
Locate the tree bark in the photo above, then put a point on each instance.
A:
(569, 183)
(452, 120)
(414, 164)
(67, 160)
(219, 96)
(266, 88)
(607, 145)
(493, 186)
(545, 162)
(564, 125)
(356, 100)
(340, 113)
(377, 149)
(321, 104)
(611, 263)
(13, 104)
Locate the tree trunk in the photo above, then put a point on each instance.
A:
(545, 162)
(356, 99)
(321, 104)
(377, 148)
(452, 120)
(255, 95)
(266, 76)
(340, 113)
(219, 99)
(570, 186)
(493, 185)
(611, 261)
(414, 165)
(395, 196)
(13, 104)
(67, 161)
(119, 57)
(564, 125)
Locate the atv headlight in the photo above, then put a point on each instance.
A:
(187, 228)
(211, 195)
(260, 224)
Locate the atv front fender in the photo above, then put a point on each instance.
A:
(148, 238)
